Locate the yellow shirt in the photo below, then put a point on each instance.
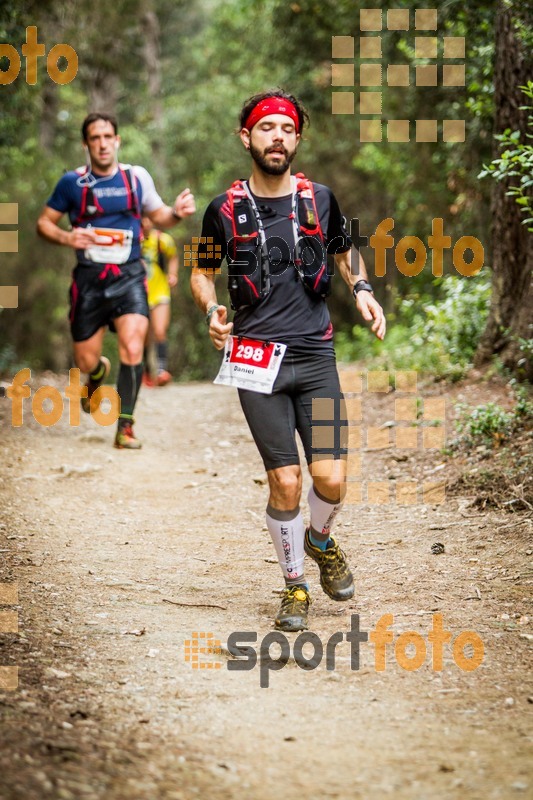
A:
(158, 288)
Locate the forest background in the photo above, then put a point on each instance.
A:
(176, 74)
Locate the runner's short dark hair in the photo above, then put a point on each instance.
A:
(250, 104)
(94, 117)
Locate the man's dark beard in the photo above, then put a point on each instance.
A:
(271, 168)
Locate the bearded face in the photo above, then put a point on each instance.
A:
(274, 160)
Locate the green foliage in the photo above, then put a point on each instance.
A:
(516, 162)
(7, 358)
(436, 334)
(524, 407)
(487, 424)
(526, 347)
(490, 424)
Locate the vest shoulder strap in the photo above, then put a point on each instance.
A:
(243, 217)
(91, 208)
(243, 220)
(131, 184)
(308, 219)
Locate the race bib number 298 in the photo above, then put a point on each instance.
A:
(250, 364)
(250, 354)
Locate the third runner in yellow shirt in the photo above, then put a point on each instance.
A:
(160, 256)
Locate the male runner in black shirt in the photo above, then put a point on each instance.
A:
(274, 231)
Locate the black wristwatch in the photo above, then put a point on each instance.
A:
(362, 286)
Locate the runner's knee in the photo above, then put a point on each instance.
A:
(330, 487)
(285, 486)
(86, 362)
(131, 352)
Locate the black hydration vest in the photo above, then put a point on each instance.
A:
(247, 253)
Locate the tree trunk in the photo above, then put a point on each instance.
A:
(103, 91)
(151, 54)
(511, 312)
(48, 120)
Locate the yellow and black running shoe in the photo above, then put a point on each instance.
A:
(336, 578)
(292, 615)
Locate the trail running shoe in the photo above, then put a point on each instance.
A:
(125, 438)
(147, 380)
(92, 386)
(292, 614)
(163, 377)
(335, 576)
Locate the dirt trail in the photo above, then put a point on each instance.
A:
(100, 539)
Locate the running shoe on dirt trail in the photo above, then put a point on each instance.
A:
(125, 438)
(292, 614)
(336, 578)
(163, 377)
(102, 371)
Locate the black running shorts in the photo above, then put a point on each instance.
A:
(274, 418)
(101, 293)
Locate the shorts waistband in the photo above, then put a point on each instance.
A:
(98, 267)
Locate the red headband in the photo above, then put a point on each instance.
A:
(272, 105)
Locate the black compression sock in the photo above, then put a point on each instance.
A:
(128, 384)
(162, 355)
(98, 373)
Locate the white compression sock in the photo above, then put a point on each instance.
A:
(287, 531)
(323, 513)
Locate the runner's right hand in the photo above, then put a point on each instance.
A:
(80, 238)
(219, 327)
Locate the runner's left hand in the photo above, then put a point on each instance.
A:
(371, 309)
(184, 204)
